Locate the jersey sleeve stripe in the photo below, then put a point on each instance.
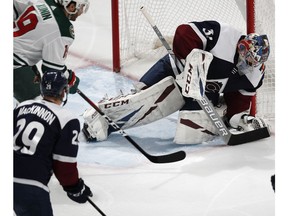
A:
(53, 65)
(31, 182)
(19, 61)
(201, 36)
(64, 158)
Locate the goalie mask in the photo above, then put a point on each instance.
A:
(81, 5)
(254, 49)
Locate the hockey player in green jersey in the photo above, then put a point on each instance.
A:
(43, 32)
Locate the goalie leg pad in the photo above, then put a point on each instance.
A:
(146, 106)
(143, 107)
(194, 127)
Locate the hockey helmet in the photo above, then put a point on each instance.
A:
(80, 5)
(254, 49)
(53, 83)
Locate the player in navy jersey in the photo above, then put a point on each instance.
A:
(46, 143)
(236, 71)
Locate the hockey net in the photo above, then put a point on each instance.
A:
(138, 41)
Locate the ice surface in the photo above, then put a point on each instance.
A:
(213, 180)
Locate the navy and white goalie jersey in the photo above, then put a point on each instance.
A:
(226, 72)
(45, 142)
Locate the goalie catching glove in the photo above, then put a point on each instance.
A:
(243, 122)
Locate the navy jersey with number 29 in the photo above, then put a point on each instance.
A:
(45, 142)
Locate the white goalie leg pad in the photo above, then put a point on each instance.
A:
(96, 125)
(145, 106)
(193, 78)
(194, 127)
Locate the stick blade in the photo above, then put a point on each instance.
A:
(250, 136)
(169, 158)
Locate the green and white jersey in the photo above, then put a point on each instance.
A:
(42, 32)
(19, 6)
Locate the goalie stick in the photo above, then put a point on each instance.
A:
(205, 104)
(173, 157)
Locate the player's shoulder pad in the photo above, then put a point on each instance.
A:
(65, 26)
(64, 115)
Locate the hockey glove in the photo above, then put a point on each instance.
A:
(73, 82)
(37, 77)
(79, 192)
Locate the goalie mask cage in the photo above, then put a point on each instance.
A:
(134, 39)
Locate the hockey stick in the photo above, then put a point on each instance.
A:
(173, 157)
(96, 207)
(205, 104)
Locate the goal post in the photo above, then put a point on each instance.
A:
(115, 35)
(134, 39)
(250, 22)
